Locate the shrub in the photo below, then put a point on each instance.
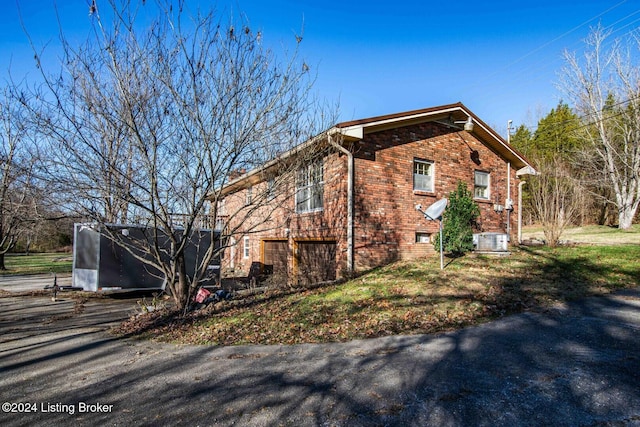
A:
(458, 221)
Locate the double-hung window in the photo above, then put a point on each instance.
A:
(246, 248)
(481, 185)
(249, 196)
(310, 188)
(423, 175)
(271, 189)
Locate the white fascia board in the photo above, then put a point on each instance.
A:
(491, 132)
(414, 116)
(352, 132)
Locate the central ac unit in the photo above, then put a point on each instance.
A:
(490, 242)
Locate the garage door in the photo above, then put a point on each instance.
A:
(275, 257)
(316, 261)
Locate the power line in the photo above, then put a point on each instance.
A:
(585, 116)
(535, 69)
(539, 69)
(566, 33)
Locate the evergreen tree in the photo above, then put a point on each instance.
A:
(522, 140)
(556, 134)
(458, 221)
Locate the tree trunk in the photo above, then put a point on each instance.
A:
(625, 218)
(2, 266)
(182, 290)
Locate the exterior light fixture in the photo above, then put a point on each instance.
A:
(468, 124)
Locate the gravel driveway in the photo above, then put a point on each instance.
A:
(575, 365)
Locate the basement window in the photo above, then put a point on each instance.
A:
(423, 237)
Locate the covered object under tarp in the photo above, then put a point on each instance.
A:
(102, 264)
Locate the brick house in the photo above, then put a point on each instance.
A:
(351, 205)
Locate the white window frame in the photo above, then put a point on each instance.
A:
(246, 248)
(420, 183)
(249, 196)
(222, 207)
(310, 188)
(271, 189)
(481, 190)
(422, 237)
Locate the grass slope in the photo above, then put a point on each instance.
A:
(405, 298)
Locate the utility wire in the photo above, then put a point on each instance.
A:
(585, 116)
(566, 33)
(534, 71)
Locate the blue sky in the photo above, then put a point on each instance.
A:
(501, 59)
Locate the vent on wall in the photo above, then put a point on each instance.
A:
(490, 242)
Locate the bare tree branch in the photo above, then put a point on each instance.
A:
(604, 86)
(149, 123)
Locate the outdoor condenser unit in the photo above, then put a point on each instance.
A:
(491, 242)
(100, 264)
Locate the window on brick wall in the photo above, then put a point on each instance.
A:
(423, 175)
(245, 247)
(222, 207)
(271, 189)
(481, 184)
(249, 196)
(423, 237)
(310, 188)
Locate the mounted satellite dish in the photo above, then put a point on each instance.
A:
(435, 211)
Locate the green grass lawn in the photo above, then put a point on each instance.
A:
(407, 298)
(37, 263)
(590, 234)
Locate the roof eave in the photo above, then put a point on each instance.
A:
(355, 130)
(256, 175)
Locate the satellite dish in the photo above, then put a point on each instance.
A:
(435, 211)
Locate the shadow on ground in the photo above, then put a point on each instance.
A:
(574, 365)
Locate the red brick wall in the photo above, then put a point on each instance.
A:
(386, 221)
(278, 219)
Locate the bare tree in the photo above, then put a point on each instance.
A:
(604, 86)
(150, 122)
(17, 161)
(553, 197)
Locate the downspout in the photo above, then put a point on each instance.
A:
(350, 245)
(509, 202)
(520, 211)
(527, 170)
